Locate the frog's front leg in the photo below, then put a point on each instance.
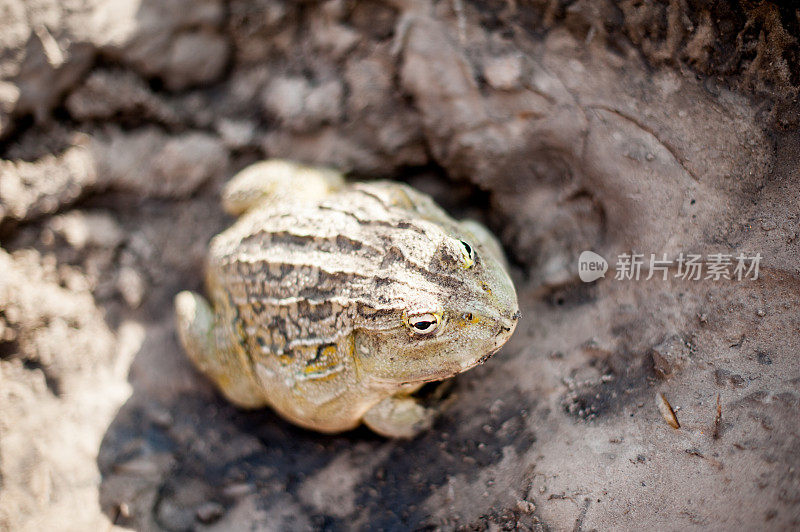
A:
(275, 181)
(399, 416)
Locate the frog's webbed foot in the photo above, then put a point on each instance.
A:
(276, 180)
(486, 240)
(196, 330)
(399, 416)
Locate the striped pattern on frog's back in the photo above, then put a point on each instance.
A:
(307, 275)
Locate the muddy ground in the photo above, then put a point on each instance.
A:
(616, 126)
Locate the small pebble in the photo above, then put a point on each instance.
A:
(237, 490)
(503, 73)
(162, 418)
(210, 512)
(526, 507)
(124, 510)
(138, 467)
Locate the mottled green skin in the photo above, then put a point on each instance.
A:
(316, 289)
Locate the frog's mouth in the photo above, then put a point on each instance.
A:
(504, 332)
(448, 370)
(465, 367)
(484, 358)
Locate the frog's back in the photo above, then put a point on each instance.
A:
(299, 276)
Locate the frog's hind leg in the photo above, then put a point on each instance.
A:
(275, 181)
(208, 350)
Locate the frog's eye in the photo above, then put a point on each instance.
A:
(423, 323)
(468, 255)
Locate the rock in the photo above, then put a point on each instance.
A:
(47, 71)
(324, 103)
(81, 229)
(236, 134)
(132, 286)
(195, 58)
(146, 162)
(301, 106)
(503, 73)
(671, 355)
(31, 189)
(526, 507)
(177, 40)
(116, 93)
(59, 393)
(9, 96)
(285, 98)
(210, 512)
(151, 163)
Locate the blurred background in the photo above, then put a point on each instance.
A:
(617, 126)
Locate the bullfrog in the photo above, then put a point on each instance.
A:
(332, 302)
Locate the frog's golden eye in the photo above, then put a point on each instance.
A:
(469, 255)
(423, 323)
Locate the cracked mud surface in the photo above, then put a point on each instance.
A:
(613, 126)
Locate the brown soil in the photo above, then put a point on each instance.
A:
(612, 126)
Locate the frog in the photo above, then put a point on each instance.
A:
(333, 302)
